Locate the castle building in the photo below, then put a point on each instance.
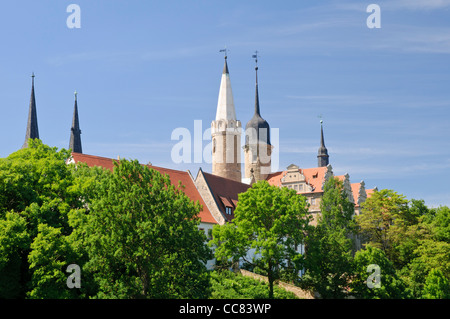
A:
(218, 191)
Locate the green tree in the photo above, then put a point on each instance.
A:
(35, 185)
(270, 222)
(390, 285)
(439, 221)
(14, 242)
(140, 234)
(437, 286)
(50, 255)
(383, 222)
(330, 244)
(430, 254)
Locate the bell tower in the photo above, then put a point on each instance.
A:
(257, 149)
(226, 133)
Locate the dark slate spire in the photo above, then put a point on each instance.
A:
(323, 152)
(256, 94)
(257, 123)
(75, 132)
(32, 125)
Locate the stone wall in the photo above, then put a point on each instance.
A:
(300, 293)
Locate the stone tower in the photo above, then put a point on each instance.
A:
(257, 149)
(32, 124)
(226, 133)
(322, 157)
(75, 132)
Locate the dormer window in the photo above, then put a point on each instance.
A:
(228, 210)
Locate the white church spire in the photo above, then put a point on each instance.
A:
(225, 103)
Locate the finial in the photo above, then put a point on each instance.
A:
(255, 56)
(75, 93)
(225, 50)
(320, 117)
(32, 78)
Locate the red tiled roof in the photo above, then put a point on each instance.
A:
(225, 201)
(175, 176)
(355, 191)
(313, 176)
(369, 192)
(225, 188)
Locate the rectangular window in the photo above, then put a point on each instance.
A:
(228, 210)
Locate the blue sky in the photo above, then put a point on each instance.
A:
(145, 68)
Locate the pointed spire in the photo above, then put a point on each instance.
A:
(225, 103)
(32, 125)
(225, 67)
(257, 123)
(323, 157)
(75, 132)
(257, 112)
(255, 56)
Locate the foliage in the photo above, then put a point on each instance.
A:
(431, 255)
(437, 286)
(268, 227)
(391, 286)
(329, 245)
(34, 190)
(141, 235)
(50, 254)
(133, 233)
(14, 241)
(229, 285)
(383, 221)
(439, 221)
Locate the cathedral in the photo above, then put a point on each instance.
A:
(218, 191)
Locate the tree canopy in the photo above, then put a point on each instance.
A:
(266, 232)
(131, 231)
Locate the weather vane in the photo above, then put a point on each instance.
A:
(255, 56)
(225, 50)
(320, 117)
